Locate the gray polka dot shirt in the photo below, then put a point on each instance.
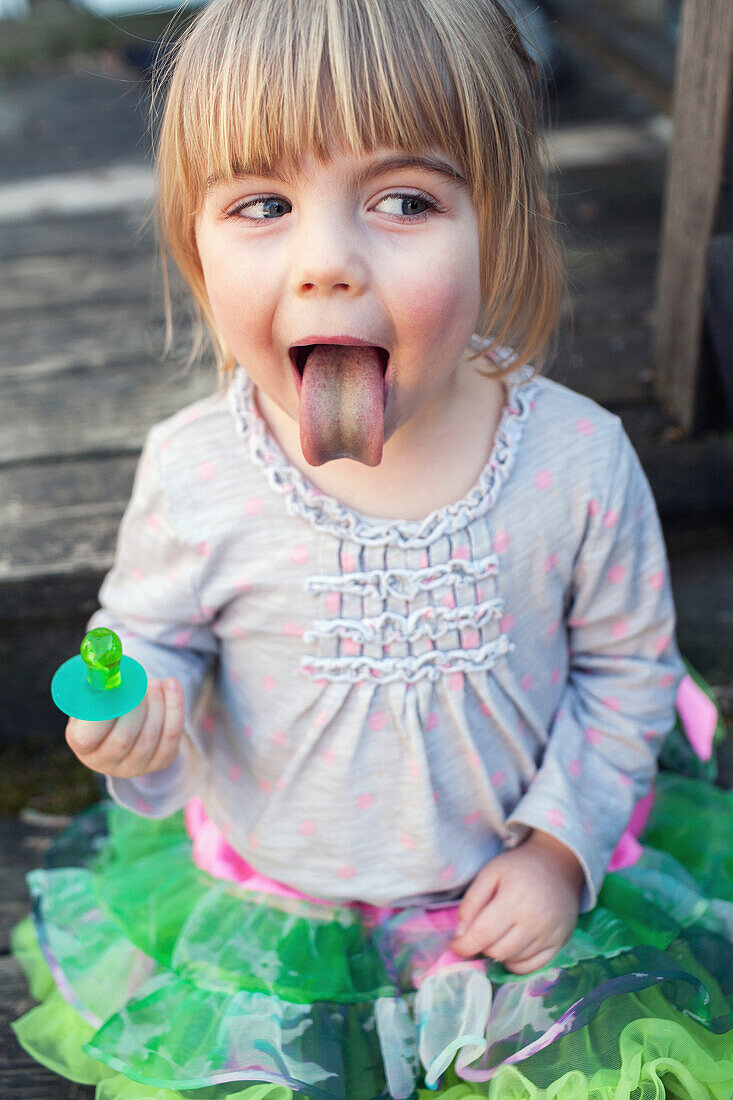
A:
(378, 708)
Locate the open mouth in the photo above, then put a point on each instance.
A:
(299, 355)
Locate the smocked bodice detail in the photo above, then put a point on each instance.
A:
(328, 514)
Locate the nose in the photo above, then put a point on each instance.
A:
(327, 258)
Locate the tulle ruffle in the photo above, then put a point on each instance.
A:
(158, 981)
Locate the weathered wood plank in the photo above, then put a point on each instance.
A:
(702, 110)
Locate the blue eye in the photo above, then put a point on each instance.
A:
(270, 201)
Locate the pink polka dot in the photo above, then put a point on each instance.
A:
(556, 817)
(461, 553)
(248, 731)
(472, 818)
(205, 471)
(346, 871)
(661, 643)
(279, 737)
(321, 719)
(253, 506)
(204, 549)
(657, 581)
(299, 554)
(625, 780)
(506, 622)
(455, 681)
(555, 675)
(154, 522)
(407, 842)
(138, 574)
(307, 827)
(254, 840)
(348, 563)
(610, 518)
(587, 827)
(611, 702)
(414, 769)
(183, 637)
(471, 639)
(576, 622)
(365, 801)
(293, 630)
(266, 786)
(486, 710)
(238, 632)
(594, 507)
(667, 680)
(235, 773)
(243, 584)
(593, 736)
(620, 629)
(526, 682)
(436, 798)
(552, 628)
(424, 560)
(268, 683)
(447, 873)
(474, 759)
(575, 768)
(550, 563)
(280, 785)
(586, 427)
(501, 541)
(449, 600)
(189, 415)
(143, 806)
(350, 647)
(174, 573)
(377, 720)
(543, 480)
(328, 757)
(616, 573)
(649, 735)
(431, 721)
(479, 593)
(497, 778)
(207, 723)
(165, 444)
(333, 602)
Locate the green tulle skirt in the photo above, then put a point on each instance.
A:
(157, 981)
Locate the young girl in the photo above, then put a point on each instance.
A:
(407, 617)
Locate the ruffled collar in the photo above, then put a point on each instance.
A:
(328, 514)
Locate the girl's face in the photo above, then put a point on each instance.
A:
(391, 258)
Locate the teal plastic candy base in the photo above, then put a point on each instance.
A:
(72, 694)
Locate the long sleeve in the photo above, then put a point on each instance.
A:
(150, 599)
(624, 671)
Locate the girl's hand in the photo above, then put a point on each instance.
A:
(147, 739)
(523, 905)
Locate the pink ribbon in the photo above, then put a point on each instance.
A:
(699, 718)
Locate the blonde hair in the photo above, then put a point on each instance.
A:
(256, 82)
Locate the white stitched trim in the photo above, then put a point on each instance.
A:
(328, 514)
(433, 664)
(405, 584)
(432, 622)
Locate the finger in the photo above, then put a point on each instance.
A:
(85, 737)
(118, 742)
(169, 741)
(139, 759)
(509, 946)
(490, 925)
(533, 962)
(478, 895)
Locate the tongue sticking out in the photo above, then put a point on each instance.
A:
(342, 405)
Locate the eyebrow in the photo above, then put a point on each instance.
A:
(427, 162)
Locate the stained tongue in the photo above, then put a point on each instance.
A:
(342, 405)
